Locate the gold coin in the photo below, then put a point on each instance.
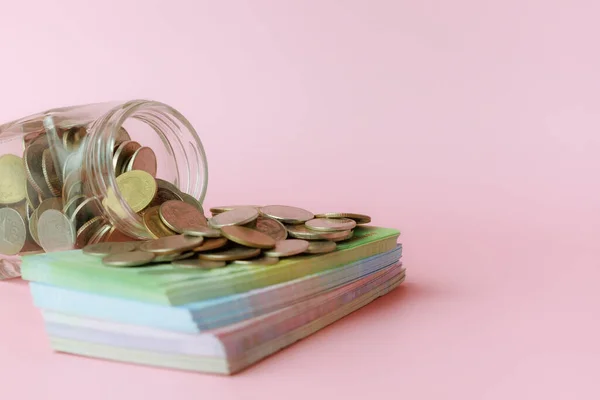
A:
(287, 248)
(287, 214)
(302, 232)
(122, 154)
(50, 174)
(358, 218)
(180, 216)
(87, 230)
(143, 159)
(171, 244)
(248, 237)
(330, 224)
(271, 227)
(13, 180)
(230, 254)
(34, 169)
(137, 188)
(203, 231)
(211, 244)
(154, 224)
(199, 264)
(259, 262)
(321, 247)
(128, 259)
(237, 216)
(221, 209)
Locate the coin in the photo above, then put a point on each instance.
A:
(165, 191)
(50, 175)
(358, 218)
(85, 211)
(73, 162)
(143, 159)
(321, 247)
(199, 264)
(55, 232)
(203, 231)
(137, 188)
(104, 249)
(302, 232)
(87, 230)
(211, 244)
(179, 216)
(230, 254)
(287, 214)
(237, 216)
(71, 205)
(128, 259)
(221, 209)
(34, 170)
(115, 235)
(167, 258)
(101, 234)
(287, 248)
(346, 235)
(330, 224)
(72, 185)
(261, 261)
(192, 201)
(122, 154)
(13, 182)
(155, 225)
(12, 232)
(248, 237)
(33, 197)
(271, 227)
(74, 137)
(171, 244)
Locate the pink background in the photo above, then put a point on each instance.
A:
(472, 126)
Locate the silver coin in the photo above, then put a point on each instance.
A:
(128, 259)
(237, 216)
(203, 231)
(104, 249)
(271, 227)
(287, 214)
(12, 232)
(331, 224)
(321, 247)
(123, 154)
(55, 231)
(287, 248)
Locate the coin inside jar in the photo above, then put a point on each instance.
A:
(287, 214)
(12, 232)
(180, 216)
(143, 159)
(128, 259)
(330, 224)
(122, 154)
(171, 244)
(55, 231)
(287, 248)
(248, 237)
(13, 182)
(33, 168)
(137, 188)
(53, 181)
(237, 216)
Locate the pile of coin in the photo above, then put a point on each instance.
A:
(46, 204)
(250, 235)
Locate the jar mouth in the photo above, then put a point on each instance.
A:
(176, 137)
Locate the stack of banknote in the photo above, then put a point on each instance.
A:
(170, 302)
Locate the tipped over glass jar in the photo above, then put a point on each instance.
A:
(93, 173)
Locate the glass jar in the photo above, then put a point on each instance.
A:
(67, 175)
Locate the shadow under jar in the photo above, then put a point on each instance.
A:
(87, 174)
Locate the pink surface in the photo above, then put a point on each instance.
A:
(472, 126)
